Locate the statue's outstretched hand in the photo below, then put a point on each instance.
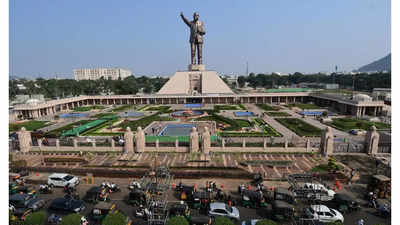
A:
(181, 13)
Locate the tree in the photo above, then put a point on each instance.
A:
(178, 220)
(266, 222)
(241, 81)
(71, 219)
(324, 113)
(115, 219)
(36, 218)
(222, 221)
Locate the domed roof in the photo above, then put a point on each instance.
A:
(362, 97)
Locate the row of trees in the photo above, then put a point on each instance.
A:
(362, 82)
(54, 88)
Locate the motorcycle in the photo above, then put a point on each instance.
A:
(45, 189)
(142, 212)
(384, 211)
(112, 187)
(134, 185)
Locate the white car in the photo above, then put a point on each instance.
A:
(62, 179)
(324, 214)
(322, 193)
(222, 209)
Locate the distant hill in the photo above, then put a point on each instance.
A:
(382, 64)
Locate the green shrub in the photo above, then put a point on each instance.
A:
(114, 219)
(36, 218)
(222, 221)
(335, 223)
(71, 219)
(178, 220)
(266, 222)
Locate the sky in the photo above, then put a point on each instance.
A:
(51, 38)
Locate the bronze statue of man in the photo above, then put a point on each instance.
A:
(196, 37)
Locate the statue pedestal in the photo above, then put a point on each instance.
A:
(197, 67)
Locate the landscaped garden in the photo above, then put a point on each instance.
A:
(57, 132)
(29, 125)
(300, 127)
(304, 106)
(278, 114)
(87, 108)
(270, 131)
(144, 122)
(218, 108)
(266, 107)
(123, 108)
(162, 109)
(348, 123)
(229, 124)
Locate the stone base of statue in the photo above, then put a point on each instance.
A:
(197, 67)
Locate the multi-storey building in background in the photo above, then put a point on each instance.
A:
(97, 73)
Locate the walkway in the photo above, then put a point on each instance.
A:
(273, 123)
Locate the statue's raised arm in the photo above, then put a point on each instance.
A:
(185, 20)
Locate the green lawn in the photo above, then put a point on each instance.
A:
(123, 108)
(87, 108)
(300, 127)
(244, 134)
(162, 109)
(57, 132)
(346, 124)
(278, 114)
(29, 125)
(103, 114)
(143, 122)
(225, 107)
(266, 107)
(304, 106)
(270, 131)
(235, 124)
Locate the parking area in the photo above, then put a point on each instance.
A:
(229, 186)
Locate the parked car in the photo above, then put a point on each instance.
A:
(320, 192)
(67, 204)
(23, 204)
(323, 214)
(62, 179)
(222, 209)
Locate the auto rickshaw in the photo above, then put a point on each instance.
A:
(200, 220)
(284, 194)
(282, 211)
(381, 185)
(25, 190)
(138, 197)
(180, 209)
(200, 199)
(12, 188)
(96, 194)
(253, 199)
(185, 192)
(345, 204)
(101, 210)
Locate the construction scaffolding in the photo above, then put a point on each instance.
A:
(157, 182)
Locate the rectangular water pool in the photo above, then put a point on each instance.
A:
(176, 130)
(242, 113)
